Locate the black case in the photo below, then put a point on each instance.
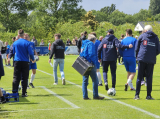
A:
(82, 66)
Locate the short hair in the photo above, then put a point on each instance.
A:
(94, 34)
(148, 28)
(26, 34)
(85, 32)
(129, 31)
(57, 35)
(14, 38)
(21, 32)
(91, 37)
(81, 34)
(122, 35)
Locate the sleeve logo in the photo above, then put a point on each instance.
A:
(104, 45)
(145, 42)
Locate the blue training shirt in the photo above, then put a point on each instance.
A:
(22, 50)
(129, 52)
(33, 49)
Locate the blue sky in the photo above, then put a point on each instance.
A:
(127, 6)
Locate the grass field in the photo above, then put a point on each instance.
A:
(47, 101)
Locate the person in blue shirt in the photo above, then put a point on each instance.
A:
(147, 48)
(129, 58)
(88, 52)
(109, 56)
(32, 66)
(97, 42)
(22, 52)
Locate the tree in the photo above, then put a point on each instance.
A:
(100, 16)
(154, 6)
(108, 10)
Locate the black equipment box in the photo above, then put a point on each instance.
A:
(82, 66)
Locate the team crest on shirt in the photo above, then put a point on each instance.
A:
(104, 45)
(145, 42)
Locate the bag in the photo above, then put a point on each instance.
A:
(82, 66)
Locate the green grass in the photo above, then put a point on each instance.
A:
(41, 104)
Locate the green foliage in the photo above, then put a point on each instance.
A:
(154, 6)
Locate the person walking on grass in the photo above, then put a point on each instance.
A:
(57, 49)
(147, 48)
(88, 52)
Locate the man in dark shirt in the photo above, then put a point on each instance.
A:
(68, 43)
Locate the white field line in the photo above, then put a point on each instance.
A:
(128, 105)
(60, 97)
(35, 110)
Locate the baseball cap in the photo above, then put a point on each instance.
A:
(110, 31)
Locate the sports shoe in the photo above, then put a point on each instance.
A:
(63, 82)
(136, 97)
(98, 98)
(2, 100)
(55, 84)
(9, 64)
(28, 87)
(31, 84)
(145, 83)
(126, 87)
(149, 98)
(133, 89)
(24, 95)
(86, 98)
(142, 83)
(119, 64)
(100, 85)
(106, 87)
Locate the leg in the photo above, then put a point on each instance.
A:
(99, 77)
(94, 82)
(113, 67)
(105, 70)
(141, 68)
(55, 64)
(61, 67)
(84, 86)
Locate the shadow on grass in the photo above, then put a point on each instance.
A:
(19, 103)
(49, 95)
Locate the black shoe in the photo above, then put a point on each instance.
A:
(126, 87)
(86, 98)
(24, 95)
(31, 84)
(149, 98)
(2, 100)
(100, 85)
(106, 87)
(98, 98)
(136, 97)
(28, 87)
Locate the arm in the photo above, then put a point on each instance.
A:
(158, 47)
(119, 45)
(91, 52)
(52, 51)
(30, 52)
(137, 46)
(100, 47)
(79, 45)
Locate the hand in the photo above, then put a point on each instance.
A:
(130, 46)
(99, 60)
(34, 61)
(8, 60)
(49, 61)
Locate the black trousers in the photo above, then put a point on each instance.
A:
(21, 72)
(144, 68)
(113, 67)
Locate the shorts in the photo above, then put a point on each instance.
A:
(32, 66)
(130, 64)
(3, 56)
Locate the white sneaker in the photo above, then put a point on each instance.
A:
(55, 84)
(63, 82)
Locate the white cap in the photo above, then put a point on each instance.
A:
(148, 28)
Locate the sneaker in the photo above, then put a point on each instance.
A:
(55, 84)
(24, 95)
(133, 89)
(100, 85)
(149, 98)
(119, 64)
(126, 87)
(106, 87)
(137, 68)
(2, 100)
(98, 98)
(142, 83)
(9, 64)
(63, 82)
(136, 97)
(122, 63)
(31, 84)
(145, 84)
(28, 87)
(86, 98)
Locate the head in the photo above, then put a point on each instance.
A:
(100, 38)
(148, 28)
(76, 38)
(122, 36)
(85, 33)
(26, 36)
(73, 40)
(17, 38)
(128, 32)
(68, 39)
(6, 43)
(33, 38)
(49, 41)
(81, 34)
(110, 31)
(136, 37)
(21, 33)
(57, 36)
(13, 39)
(92, 38)
(94, 34)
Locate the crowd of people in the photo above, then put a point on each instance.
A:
(98, 52)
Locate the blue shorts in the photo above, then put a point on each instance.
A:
(130, 64)
(32, 66)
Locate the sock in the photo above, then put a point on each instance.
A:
(99, 77)
(32, 78)
(129, 82)
(106, 83)
(131, 86)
